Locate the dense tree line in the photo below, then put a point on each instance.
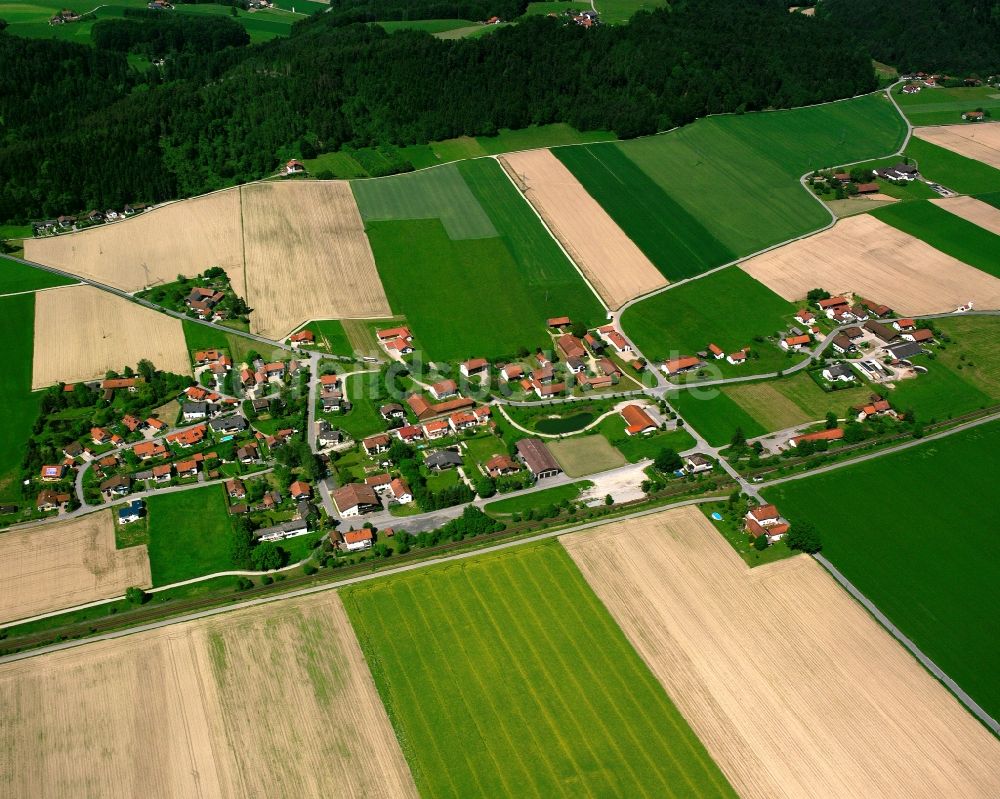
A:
(160, 34)
(953, 36)
(81, 130)
(347, 11)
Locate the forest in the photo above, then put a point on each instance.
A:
(346, 11)
(951, 36)
(159, 34)
(83, 130)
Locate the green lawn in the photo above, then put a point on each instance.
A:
(189, 534)
(617, 11)
(30, 20)
(363, 419)
(671, 237)
(504, 676)
(17, 331)
(924, 549)
(737, 176)
(331, 332)
(727, 308)
(15, 277)
(955, 171)
(484, 295)
(341, 164)
(973, 352)
(714, 415)
(439, 193)
(202, 337)
(538, 499)
(945, 106)
(947, 232)
(637, 448)
(939, 394)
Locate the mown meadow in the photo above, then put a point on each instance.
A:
(920, 541)
(505, 676)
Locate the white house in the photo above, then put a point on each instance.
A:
(356, 540)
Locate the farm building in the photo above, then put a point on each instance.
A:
(538, 459)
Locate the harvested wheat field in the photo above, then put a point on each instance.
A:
(63, 564)
(274, 701)
(183, 238)
(972, 210)
(791, 686)
(81, 332)
(307, 256)
(980, 141)
(611, 261)
(877, 261)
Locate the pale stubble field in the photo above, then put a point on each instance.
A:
(791, 686)
(266, 702)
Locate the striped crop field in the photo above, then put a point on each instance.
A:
(727, 186)
(505, 676)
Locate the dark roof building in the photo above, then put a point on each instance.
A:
(537, 458)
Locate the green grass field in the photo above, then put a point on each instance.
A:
(189, 534)
(439, 193)
(727, 308)
(946, 106)
(431, 26)
(955, 171)
(974, 351)
(202, 337)
(504, 676)
(737, 176)
(330, 332)
(17, 331)
(714, 415)
(363, 419)
(31, 20)
(538, 499)
(617, 11)
(671, 237)
(470, 295)
(940, 394)
(927, 552)
(16, 277)
(990, 198)
(637, 448)
(947, 232)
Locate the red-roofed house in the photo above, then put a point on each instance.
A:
(395, 332)
(795, 342)
(300, 338)
(637, 420)
(823, 435)
(682, 364)
(511, 371)
(444, 389)
(401, 491)
(474, 366)
(716, 351)
(559, 321)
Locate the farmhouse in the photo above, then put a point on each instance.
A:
(904, 350)
(53, 474)
(904, 324)
(717, 352)
(683, 364)
(697, 463)
(379, 482)
(842, 343)
(571, 346)
(882, 332)
(294, 167)
(114, 383)
(830, 304)
(391, 333)
(876, 308)
(838, 372)
(279, 532)
(424, 410)
(559, 321)
(900, 171)
(400, 346)
(823, 435)
(868, 188)
(377, 444)
(444, 389)
(408, 433)
(401, 491)
(391, 410)
(356, 540)
(355, 499)
(474, 367)
(795, 343)
(442, 459)
(736, 358)
(49, 500)
(301, 338)
(117, 486)
(805, 317)
(511, 371)
(920, 335)
(974, 116)
(765, 520)
(550, 390)
(131, 512)
(536, 456)
(637, 420)
(500, 465)
(877, 407)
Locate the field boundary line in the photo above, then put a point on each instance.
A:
(559, 244)
(361, 578)
(243, 249)
(971, 705)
